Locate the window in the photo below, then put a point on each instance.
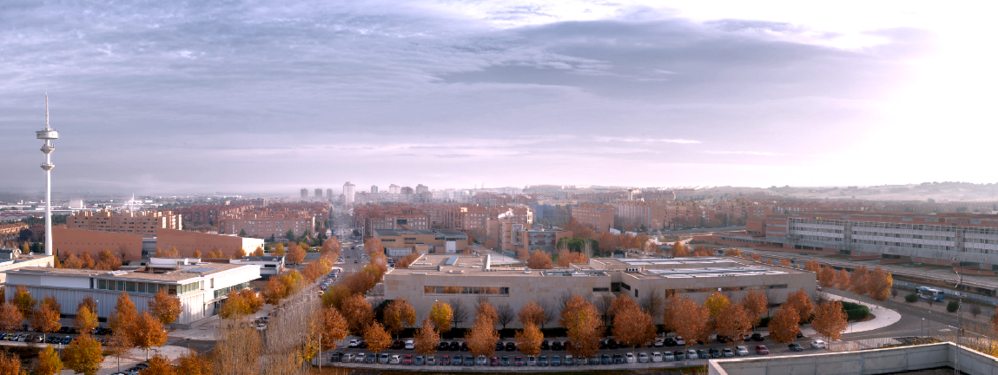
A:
(142, 287)
(151, 288)
(101, 284)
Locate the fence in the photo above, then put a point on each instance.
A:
(528, 369)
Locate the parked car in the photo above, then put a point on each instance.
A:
(605, 359)
(383, 359)
(431, 360)
(443, 346)
(504, 361)
(394, 359)
(555, 361)
(409, 345)
(347, 358)
(629, 357)
(360, 358)
(703, 354)
(643, 358)
(692, 354)
(680, 355)
(680, 341)
(481, 360)
(494, 361)
(445, 360)
(545, 345)
(714, 353)
(795, 347)
(454, 346)
(542, 361)
(371, 358)
(669, 341)
(418, 360)
(818, 344)
(457, 361)
(469, 360)
(510, 346)
(335, 357)
(618, 359)
(556, 345)
(727, 353)
(741, 351)
(757, 337)
(517, 361)
(531, 360)
(668, 357)
(569, 361)
(761, 350)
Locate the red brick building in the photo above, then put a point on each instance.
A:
(598, 217)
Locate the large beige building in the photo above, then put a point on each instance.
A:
(144, 223)
(398, 242)
(464, 279)
(265, 223)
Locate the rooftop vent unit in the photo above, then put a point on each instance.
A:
(633, 269)
(526, 269)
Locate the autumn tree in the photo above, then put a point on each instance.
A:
(358, 313)
(734, 253)
(274, 290)
(89, 302)
(197, 254)
(84, 355)
(784, 326)
(279, 250)
(158, 365)
(426, 338)
(441, 315)
(485, 310)
(482, 337)
(252, 299)
(687, 319)
(757, 257)
(531, 313)
(45, 317)
(334, 296)
(812, 266)
(235, 306)
(528, 340)
(258, 252)
(49, 362)
(826, 277)
(10, 317)
(785, 263)
(331, 247)
(72, 261)
(756, 304)
(842, 280)
(87, 260)
(566, 258)
(296, 254)
(398, 315)
(679, 251)
(148, 332)
(539, 260)
(23, 300)
(406, 260)
(858, 281)
(10, 363)
(733, 321)
(880, 283)
(802, 304)
(107, 261)
(621, 303)
(85, 320)
(830, 320)
(238, 253)
(633, 327)
(165, 307)
(584, 325)
(716, 303)
(376, 337)
(334, 328)
(191, 363)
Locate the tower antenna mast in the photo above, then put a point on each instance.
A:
(48, 135)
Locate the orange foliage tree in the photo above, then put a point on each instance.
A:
(633, 327)
(830, 320)
(733, 321)
(539, 260)
(785, 262)
(812, 266)
(858, 281)
(687, 319)
(376, 337)
(165, 307)
(358, 313)
(584, 325)
(482, 337)
(441, 314)
(528, 340)
(784, 326)
(880, 283)
(567, 257)
(426, 338)
(334, 328)
(406, 260)
(842, 280)
(10, 317)
(193, 364)
(826, 277)
(801, 303)
(398, 315)
(296, 254)
(531, 313)
(756, 304)
(679, 251)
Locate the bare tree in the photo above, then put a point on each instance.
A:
(975, 310)
(563, 299)
(550, 314)
(458, 312)
(505, 314)
(603, 304)
(653, 304)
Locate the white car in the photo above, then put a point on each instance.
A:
(395, 359)
(384, 359)
(691, 354)
(741, 351)
(659, 343)
(642, 357)
(431, 360)
(680, 341)
(481, 360)
(409, 345)
(347, 358)
(630, 357)
(818, 344)
(353, 343)
(668, 357)
(359, 358)
(656, 357)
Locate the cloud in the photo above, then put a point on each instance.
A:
(645, 140)
(753, 153)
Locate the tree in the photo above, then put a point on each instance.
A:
(842, 280)
(812, 266)
(85, 320)
(531, 313)
(159, 366)
(398, 315)
(687, 319)
(880, 283)
(334, 296)
(48, 362)
(45, 318)
(733, 321)
(358, 313)
(84, 355)
(830, 320)
(258, 252)
(716, 303)
(89, 302)
(334, 328)
(528, 340)
(826, 277)
(539, 260)
(482, 337)
(756, 304)
(253, 300)
(296, 254)
(87, 260)
(441, 315)
(406, 260)
(108, 261)
(858, 281)
(235, 306)
(621, 303)
(485, 310)
(458, 311)
(757, 257)
(652, 302)
(23, 300)
(279, 250)
(584, 326)
(975, 310)
(197, 254)
(801, 303)
(238, 349)
(10, 317)
(10, 364)
(376, 337)
(679, 251)
(567, 257)
(785, 263)
(784, 326)
(165, 307)
(426, 338)
(193, 364)
(504, 314)
(274, 290)
(633, 327)
(734, 253)
(148, 332)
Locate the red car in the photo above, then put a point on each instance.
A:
(407, 360)
(494, 361)
(761, 350)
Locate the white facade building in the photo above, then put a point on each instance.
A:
(349, 191)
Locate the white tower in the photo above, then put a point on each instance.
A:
(48, 135)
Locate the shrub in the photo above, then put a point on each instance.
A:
(855, 311)
(953, 306)
(911, 298)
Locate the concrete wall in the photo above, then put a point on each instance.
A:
(878, 361)
(37, 261)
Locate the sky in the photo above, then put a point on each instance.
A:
(267, 96)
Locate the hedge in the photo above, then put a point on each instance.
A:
(953, 306)
(911, 298)
(857, 313)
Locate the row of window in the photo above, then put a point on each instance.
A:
(672, 292)
(466, 290)
(131, 286)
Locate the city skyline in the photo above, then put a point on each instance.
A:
(178, 98)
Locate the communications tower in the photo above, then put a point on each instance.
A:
(48, 135)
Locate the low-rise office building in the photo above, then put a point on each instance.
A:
(400, 242)
(201, 287)
(67, 241)
(464, 279)
(269, 265)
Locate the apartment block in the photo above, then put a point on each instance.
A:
(598, 217)
(267, 223)
(145, 223)
(648, 214)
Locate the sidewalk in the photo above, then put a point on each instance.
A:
(883, 317)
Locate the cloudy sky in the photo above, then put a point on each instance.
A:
(158, 97)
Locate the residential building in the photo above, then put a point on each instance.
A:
(144, 223)
(349, 190)
(651, 215)
(394, 189)
(598, 217)
(374, 189)
(318, 194)
(420, 189)
(304, 194)
(267, 223)
(329, 194)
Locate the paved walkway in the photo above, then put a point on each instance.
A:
(883, 317)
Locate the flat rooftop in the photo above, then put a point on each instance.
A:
(667, 262)
(430, 232)
(183, 273)
(470, 265)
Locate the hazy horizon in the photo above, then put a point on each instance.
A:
(268, 96)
